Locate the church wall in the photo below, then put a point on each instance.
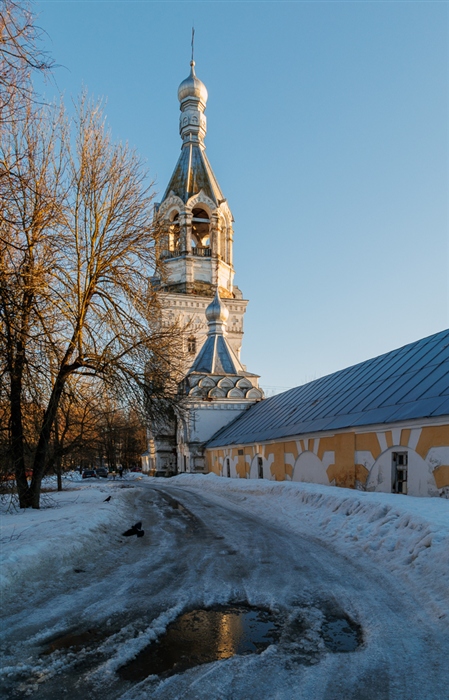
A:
(191, 309)
(189, 268)
(407, 458)
(206, 418)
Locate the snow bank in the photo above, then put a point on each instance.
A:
(36, 544)
(407, 536)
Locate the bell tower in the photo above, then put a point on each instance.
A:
(196, 246)
(197, 287)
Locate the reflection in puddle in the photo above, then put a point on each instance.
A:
(341, 634)
(203, 636)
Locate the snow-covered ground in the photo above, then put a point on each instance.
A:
(383, 558)
(407, 536)
(36, 542)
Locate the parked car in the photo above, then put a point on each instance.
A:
(89, 474)
(103, 472)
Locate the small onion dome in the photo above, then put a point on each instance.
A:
(192, 87)
(217, 312)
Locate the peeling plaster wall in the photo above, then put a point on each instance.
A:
(350, 459)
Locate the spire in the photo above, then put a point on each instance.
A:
(193, 172)
(216, 356)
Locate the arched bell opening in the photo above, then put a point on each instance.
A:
(222, 243)
(174, 233)
(200, 237)
(228, 253)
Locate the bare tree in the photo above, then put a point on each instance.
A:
(77, 249)
(77, 425)
(31, 191)
(92, 427)
(121, 435)
(20, 57)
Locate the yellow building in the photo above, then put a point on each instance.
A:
(382, 425)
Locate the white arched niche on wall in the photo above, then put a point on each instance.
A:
(259, 468)
(228, 468)
(419, 476)
(309, 468)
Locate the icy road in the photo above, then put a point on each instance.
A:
(306, 553)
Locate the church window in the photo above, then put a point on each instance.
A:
(260, 467)
(399, 472)
(191, 345)
(228, 468)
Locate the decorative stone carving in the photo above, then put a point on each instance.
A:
(171, 202)
(235, 394)
(201, 199)
(226, 383)
(217, 393)
(207, 382)
(254, 394)
(198, 391)
(244, 384)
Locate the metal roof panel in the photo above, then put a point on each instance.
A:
(411, 382)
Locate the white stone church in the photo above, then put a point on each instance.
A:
(198, 290)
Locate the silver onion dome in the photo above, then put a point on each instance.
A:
(217, 312)
(192, 87)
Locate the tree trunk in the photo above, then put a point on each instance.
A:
(17, 443)
(58, 451)
(41, 455)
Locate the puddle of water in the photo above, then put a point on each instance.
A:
(75, 641)
(341, 634)
(178, 506)
(203, 636)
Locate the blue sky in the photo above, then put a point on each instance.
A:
(328, 133)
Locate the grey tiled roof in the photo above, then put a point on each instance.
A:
(411, 382)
